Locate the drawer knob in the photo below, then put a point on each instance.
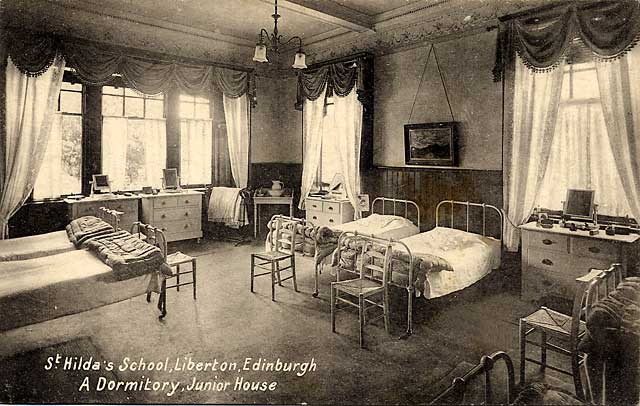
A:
(330, 208)
(186, 202)
(186, 214)
(163, 216)
(547, 241)
(314, 217)
(547, 262)
(595, 250)
(330, 220)
(186, 226)
(163, 203)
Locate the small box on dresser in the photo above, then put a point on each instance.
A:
(553, 258)
(328, 212)
(179, 215)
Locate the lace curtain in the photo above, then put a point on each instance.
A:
(29, 111)
(134, 152)
(313, 117)
(236, 112)
(195, 151)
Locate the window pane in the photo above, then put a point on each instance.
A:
(156, 96)
(186, 110)
(195, 151)
(60, 173)
(71, 86)
(111, 106)
(202, 111)
(585, 85)
(155, 108)
(186, 98)
(133, 107)
(203, 100)
(112, 90)
(71, 102)
(132, 93)
(133, 152)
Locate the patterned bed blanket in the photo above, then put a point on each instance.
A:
(305, 237)
(86, 227)
(616, 318)
(129, 256)
(347, 258)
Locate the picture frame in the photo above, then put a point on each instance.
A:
(431, 144)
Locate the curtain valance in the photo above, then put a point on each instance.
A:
(608, 28)
(339, 78)
(33, 54)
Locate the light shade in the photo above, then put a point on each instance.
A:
(299, 62)
(260, 54)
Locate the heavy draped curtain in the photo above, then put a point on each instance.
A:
(608, 28)
(535, 45)
(619, 83)
(29, 109)
(343, 81)
(33, 54)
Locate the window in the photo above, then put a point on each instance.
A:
(329, 162)
(196, 137)
(60, 173)
(581, 157)
(133, 138)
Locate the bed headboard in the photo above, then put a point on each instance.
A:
(467, 206)
(110, 216)
(399, 206)
(154, 235)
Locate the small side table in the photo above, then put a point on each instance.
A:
(258, 200)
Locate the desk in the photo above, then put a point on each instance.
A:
(258, 200)
(552, 258)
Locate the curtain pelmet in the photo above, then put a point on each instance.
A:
(608, 28)
(339, 79)
(33, 54)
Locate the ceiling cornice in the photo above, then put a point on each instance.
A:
(330, 12)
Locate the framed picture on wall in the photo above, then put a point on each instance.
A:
(430, 144)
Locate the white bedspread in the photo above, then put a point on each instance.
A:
(225, 206)
(34, 246)
(472, 256)
(381, 225)
(31, 274)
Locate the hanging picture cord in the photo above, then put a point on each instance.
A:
(444, 86)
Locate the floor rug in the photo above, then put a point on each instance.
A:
(32, 377)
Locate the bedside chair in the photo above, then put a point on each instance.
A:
(282, 251)
(370, 292)
(568, 329)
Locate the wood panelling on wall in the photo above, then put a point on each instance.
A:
(427, 187)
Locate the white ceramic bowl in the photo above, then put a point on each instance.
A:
(275, 193)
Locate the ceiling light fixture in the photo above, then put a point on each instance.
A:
(275, 41)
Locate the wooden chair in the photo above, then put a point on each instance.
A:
(568, 329)
(374, 261)
(282, 250)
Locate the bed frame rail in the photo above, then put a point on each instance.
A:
(468, 205)
(455, 394)
(397, 205)
(110, 216)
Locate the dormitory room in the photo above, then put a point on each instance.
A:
(320, 202)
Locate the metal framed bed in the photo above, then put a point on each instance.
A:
(52, 243)
(43, 288)
(414, 262)
(380, 205)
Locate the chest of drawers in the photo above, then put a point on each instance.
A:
(89, 206)
(328, 212)
(553, 258)
(179, 215)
